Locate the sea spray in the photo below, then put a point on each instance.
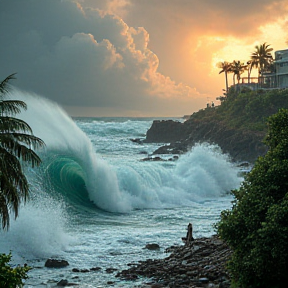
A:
(59, 222)
(201, 174)
(38, 232)
(63, 137)
(207, 171)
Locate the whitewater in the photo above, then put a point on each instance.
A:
(95, 203)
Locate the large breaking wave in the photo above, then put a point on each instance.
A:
(72, 169)
(72, 175)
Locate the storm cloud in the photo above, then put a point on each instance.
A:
(132, 57)
(84, 57)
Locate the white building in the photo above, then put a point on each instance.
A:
(276, 78)
(281, 65)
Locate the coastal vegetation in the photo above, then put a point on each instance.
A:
(238, 125)
(261, 59)
(17, 144)
(257, 226)
(11, 277)
(246, 109)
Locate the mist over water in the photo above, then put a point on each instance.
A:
(92, 183)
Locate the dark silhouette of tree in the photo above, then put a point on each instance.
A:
(17, 144)
(262, 58)
(237, 68)
(226, 68)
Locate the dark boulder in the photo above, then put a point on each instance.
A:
(95, 268)
(110, 270)
(62, 283)
(152, 246)
(165, 131)
(54, 263)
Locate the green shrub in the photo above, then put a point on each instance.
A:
(11, 277)
(256, 228)
(247, 110)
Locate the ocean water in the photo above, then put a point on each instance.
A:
(95, 203)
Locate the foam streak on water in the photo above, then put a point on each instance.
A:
(93, 195)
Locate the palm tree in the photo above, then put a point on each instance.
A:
(261, 57)
(226, 68)
(17, 144)
(238, 68)
(249, 67)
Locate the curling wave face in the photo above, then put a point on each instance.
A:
(72, 168)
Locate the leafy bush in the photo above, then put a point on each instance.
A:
(11, 277)
(256, 227)
(246, 110)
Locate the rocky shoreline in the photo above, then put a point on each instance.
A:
(202, 263)
(180, 137)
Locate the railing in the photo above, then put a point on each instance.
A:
(262, 82)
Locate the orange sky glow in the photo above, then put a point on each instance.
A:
(133, 57)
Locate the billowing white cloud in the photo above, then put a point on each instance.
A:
(185, 34)
(86, 57)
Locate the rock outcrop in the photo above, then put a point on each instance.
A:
(240, 145)
(201, 263)
(55, 263)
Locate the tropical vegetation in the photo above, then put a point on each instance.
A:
(261, 59)
(11, 277)
(225, 68)
(246, 110)
(256, 228)
(17, 144)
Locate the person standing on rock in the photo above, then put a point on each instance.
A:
(189, 237)
(189, 234)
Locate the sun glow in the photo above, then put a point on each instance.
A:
(234, 48)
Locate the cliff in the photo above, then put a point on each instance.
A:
(238, 125)
(240, 145)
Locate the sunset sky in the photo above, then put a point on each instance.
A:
(132, 57)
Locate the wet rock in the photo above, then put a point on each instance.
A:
(62, 282)
(204, 280)
(95, 269)
(137, 140)
(110, 270)
(165, 131)
(156, 285)
(156, 158)
(152, 246)
(240, 145)
(54, 263)
(199, 264)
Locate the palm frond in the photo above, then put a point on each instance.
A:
(12, 107)
(11, 168)
(4, 211)
(4, 85)
(11, 140)
(11, 124)
(13, 186)
(16, 146)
